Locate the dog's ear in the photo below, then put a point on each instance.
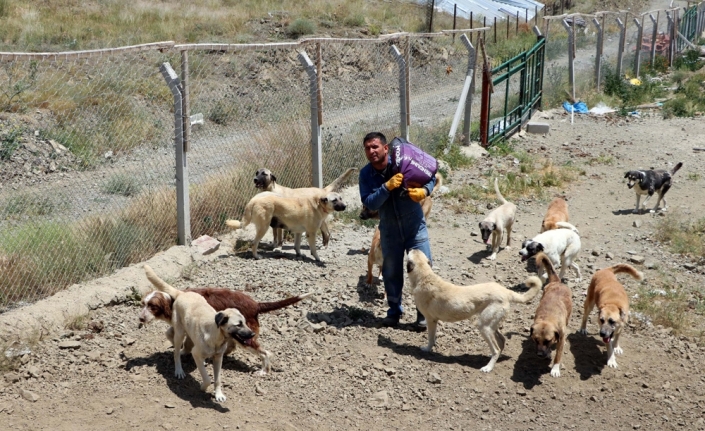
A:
(221, 319)
(531, 331)
(480, 224)
(324, 200)
(273, 177)
(626, 175)
(409, 266)
(558, 336)
(539, 246)
(624, 316)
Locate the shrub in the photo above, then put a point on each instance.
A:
(9, 143)
(124, 185)
(355, 20)
(300, 27)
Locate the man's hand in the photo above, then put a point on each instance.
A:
(394, 182)
(417, 195)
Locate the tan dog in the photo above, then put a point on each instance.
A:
(551, 319)
(374, 257)
(439, 300)
(612, 304)
(267, 182)
(557, 216)
(299, 215)
(497, 223)
(209, 331)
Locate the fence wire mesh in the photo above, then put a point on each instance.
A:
(86, 160)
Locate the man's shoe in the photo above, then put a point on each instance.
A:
(420, 320)
(390, 321)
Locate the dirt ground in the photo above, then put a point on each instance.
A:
(335, 368)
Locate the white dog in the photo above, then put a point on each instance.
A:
(560, 245)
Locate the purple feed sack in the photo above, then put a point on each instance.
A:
(417, 166)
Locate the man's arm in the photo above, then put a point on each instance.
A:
(371, 197)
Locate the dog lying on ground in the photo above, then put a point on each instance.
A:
(208, 330)
(612, 304)
(552, 316)
(374, 256)
(267, 182)
(560, 245)
(557, 216)
(650, 182)
(159, 305)
(299, 215)
(439, 300)
(497, 223)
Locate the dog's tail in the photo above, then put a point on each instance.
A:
(566, 225)
(266, 307)
(335, 185)
(623, 267)
(675, 168)
(499, 195)
(439, 181)
(534, 284)
(246, 217)
(160, 284)
(545, 262)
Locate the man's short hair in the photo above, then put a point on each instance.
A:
(374, 135)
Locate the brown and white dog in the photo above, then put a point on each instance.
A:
(159, 305)
(267, 182)
(552, 316)
(612, 302)
(209, 331)
(557, 216)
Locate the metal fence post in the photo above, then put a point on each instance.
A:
(637, 57)
(402, 90)
(598, 53)
(571, 57)
(620, 48)
(183, 211)
(671, 42)
(654, 37)
(316, 156)
(465, 102)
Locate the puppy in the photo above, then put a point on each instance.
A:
(612, 305)
(497, 223)
(209, 331)
(267, 182)
(439, 300)
(560, 245)
(158, 305)
(374, 257)
(552, 316)
(299, 215)
(557, 216)
(650, 182)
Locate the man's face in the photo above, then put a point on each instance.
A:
(376, 153)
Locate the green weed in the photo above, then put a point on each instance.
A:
(122, 184)
(300, 27)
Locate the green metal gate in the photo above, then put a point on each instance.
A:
(687, 27)
(521, 79)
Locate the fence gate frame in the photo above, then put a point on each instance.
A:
(530, 64)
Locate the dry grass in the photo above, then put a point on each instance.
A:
(683, 235)
(663, 301)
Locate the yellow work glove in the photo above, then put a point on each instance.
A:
(394, 182)
(417, 195)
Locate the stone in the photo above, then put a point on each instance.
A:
(596, 252)
(34, 371)
(12, 377)
(637, 223)
(205, 244)
(689, 266)
(609, 255)
(28, 395)
(538, 128)
(637, 259)
(378, 399)
(434, 378)
(70, 344)
(474, 151)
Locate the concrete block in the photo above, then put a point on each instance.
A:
(538, 128)
(206, 244)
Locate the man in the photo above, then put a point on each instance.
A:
(402, 224)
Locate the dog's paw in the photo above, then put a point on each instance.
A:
(260, 373)
(556, 370)
(493, 256)
(612, 363)
(582, 331)
(618, 350)
(486, 368)
(257, 257)
(179, 374)
(635, 211)
(426, 349)
(219, 397)
(205, 385)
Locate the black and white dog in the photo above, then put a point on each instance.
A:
(650, 182)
